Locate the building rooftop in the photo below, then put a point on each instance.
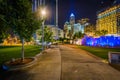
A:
(72, 15)
(115, 3)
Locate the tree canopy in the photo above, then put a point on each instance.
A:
(78, 35)
(90, 29)
(3, 20)
(48, 34)
(18, 16)
(101, 33)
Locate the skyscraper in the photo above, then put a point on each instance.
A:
(70, 28)
(72, 19)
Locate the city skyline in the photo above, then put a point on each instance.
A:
(81, 9)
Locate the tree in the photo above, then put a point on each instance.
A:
(18, 16)
(97, 33)
(104, 32)
(83, 21)
(48, 35)
(90, 29)
(4, 24)
(101, 33)
(70, 33)
(78, 35)
(65, 29)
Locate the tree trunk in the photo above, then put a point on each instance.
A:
(22, 58)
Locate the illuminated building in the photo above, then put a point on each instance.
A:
(11, 41)
(54, 30)
(72, 19)
(14, 41)
(72, 27)
(109, 19)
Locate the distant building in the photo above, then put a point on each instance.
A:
(60, 33)
(72, 19)
(109, 19)
(71, 27)
(78, 27)
(55, 31)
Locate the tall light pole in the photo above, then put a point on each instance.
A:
(57, 17)
(43, 12)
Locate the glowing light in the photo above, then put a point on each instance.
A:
(43, 12)
(72, 15)
(102, 41)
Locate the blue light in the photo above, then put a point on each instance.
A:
(102, 41)
(72, 15)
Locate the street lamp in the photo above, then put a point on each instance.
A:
(43, 14)
(57, 18)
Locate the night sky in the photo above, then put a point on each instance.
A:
(80, 8)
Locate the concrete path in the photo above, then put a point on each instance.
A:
(48, 67)
(66, 63)
(78, 65)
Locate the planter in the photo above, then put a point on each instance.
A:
(18, 64)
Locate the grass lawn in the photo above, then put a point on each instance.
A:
(100, 52)
(9, 52)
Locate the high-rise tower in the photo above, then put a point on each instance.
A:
(72, 19)
(72, 22)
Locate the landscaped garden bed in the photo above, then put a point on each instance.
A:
(7, 53)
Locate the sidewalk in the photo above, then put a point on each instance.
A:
(47, 68)
(66, 62)
(77, 64)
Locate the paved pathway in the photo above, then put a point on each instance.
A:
(48, 67)
(78, 65)
(67, 63)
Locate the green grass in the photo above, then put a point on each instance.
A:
(9, 52)
(100, 52)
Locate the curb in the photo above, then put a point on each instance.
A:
(22, 67)
(96, 57)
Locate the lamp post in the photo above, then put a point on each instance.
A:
(57, 18)
(43, 12)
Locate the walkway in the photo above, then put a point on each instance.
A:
(78, 65)
(48, 67)
(67, 63)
